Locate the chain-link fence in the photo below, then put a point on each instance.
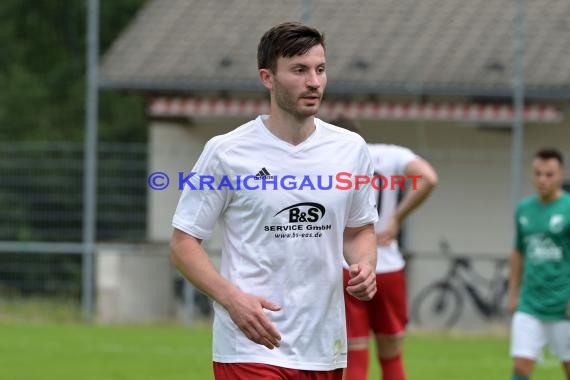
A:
(41, 205)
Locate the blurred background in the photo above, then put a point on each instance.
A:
(96, 96)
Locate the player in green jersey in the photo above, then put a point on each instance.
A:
(539, 283)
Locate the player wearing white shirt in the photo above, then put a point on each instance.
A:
(386, 314)
(278, 299)
(389, 161)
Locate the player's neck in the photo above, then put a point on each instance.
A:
(551, 197)
(289, 128)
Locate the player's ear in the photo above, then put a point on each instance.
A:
(266, 78)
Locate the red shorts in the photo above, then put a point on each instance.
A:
(385, 314)
(254, 371)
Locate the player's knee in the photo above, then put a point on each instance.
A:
(358, 344)
(389, 346)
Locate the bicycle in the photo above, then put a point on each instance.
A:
(440, 304)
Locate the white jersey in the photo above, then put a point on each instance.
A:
(389, 161)
(283, 243)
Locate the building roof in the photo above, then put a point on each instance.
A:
(373, 46)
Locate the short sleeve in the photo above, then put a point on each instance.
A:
(203, 202)
(402, 157)
(363, 205)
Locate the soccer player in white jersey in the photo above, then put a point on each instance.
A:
(278, 298)
(387, 313)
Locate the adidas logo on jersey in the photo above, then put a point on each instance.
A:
(263, 173)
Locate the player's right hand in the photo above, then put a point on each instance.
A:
(247, 312)
(362, 282)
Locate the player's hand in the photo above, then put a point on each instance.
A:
(362, 283)
(389, 233)
(247, 312)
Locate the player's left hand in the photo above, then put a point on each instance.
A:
(389, 233)
(362, 283)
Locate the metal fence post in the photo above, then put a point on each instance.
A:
(90, 158)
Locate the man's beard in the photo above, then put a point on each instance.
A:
(289, 103)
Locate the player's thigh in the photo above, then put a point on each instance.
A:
(389, 307)
(247, 371)
(528, 336)
(357, 316)
(321, 375)
(559, 339)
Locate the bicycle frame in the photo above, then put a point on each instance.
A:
(462, 275)
(440, 303)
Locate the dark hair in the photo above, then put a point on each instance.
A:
(286, 40)
(346, 123)
(550, 153)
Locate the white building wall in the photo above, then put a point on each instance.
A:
(174, 148)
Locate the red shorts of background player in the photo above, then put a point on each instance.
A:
(254, 371)
(385, 314)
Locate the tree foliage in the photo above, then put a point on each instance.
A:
(43, 72)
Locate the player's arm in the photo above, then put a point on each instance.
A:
(360, 254)
(423, 178)
(515, 275)
(246, 310)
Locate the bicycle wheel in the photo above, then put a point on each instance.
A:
(437, 307)
(501, 301)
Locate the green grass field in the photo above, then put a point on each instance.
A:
(44, 351)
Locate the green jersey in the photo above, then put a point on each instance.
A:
(543, 238)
